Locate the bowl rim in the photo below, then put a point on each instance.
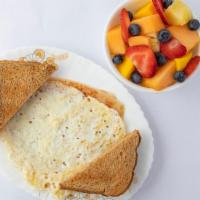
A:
(113, 68)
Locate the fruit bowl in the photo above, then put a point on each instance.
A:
(114, 20)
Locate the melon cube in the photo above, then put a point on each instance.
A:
(139, 40)
(163, 78)
(188, 38)
(115, 42)
(149, 24)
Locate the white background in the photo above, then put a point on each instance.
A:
(174, 117)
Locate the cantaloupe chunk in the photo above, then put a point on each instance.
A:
(188, 38)
(139, 40)
(115, 41)
(147, 10)
(152, 23)
(183, 61)
(126, 68)
(163, 78)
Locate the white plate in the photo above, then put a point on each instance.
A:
(72, 66)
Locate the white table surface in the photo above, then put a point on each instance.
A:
(174, 117)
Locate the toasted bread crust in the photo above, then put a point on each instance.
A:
(111, 174)
(18, 81)
(103, 96)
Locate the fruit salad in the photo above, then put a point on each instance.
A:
(155, 47)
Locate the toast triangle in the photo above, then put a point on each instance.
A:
(18, 81)
(111, 173)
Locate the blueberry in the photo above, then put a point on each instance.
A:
(164, 35)
(136, 78)
(134, 29)
(179, 76)
(193, 24)
(167, 3)
(130, 14)
(118, 59)
(161, 59)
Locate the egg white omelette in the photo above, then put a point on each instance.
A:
(57, 131)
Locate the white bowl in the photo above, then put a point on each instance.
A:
(113, 20)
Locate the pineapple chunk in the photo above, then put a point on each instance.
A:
(147, 10)
(155, 44)
(126, 68)
(183, 61)
(178, 13)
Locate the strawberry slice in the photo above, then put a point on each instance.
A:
(192, 65)
(144, 59)
(158, 4)
(173, 49)
(125, 22)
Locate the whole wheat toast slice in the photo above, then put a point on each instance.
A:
(18, 81)
(111, 173)
(103, 96)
